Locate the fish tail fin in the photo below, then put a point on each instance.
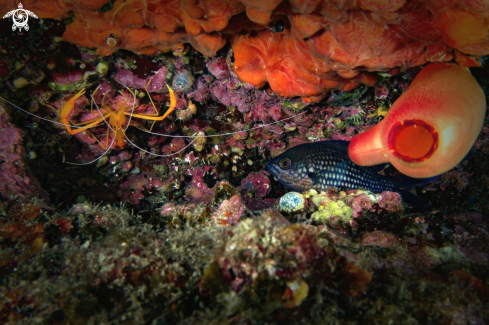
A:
(404, 184)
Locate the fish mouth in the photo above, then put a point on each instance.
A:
(273, 169)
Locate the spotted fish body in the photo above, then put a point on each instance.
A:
(326, 164)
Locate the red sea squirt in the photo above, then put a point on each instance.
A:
(430, 128)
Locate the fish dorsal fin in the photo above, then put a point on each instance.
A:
(340, 145)
(333, 172)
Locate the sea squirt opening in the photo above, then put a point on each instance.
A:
(403, 135)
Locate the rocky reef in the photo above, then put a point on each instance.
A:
(181, 223)
(93, 264)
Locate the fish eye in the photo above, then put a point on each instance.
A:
(284, 163)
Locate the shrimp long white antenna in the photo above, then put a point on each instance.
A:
(130, 116)
(102, 116)
(38, 117)
(169, 155)
(91, 162)
(132, 110)
(147, 131)
(194, 137)
(222, 134)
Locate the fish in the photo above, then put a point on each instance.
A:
(324, 164)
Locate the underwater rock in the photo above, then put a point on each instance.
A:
(186, 214)
(292, 202)
(183, 81)
(4, 68)
(199, 191)
(218, 67)
(254, 189)
(380, 238)
(471, 235)
(76, 75)
(201, 92)
(223, 270)
(127, 78)
(391, 201)
(256, 184)
(295, 293)
(230, 211)
(16, 182)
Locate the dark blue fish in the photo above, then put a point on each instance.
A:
(326, 164)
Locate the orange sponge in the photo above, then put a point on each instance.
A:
(299, 47)
(289, 66)
(430, 128)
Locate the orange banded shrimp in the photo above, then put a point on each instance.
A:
(117, 119)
